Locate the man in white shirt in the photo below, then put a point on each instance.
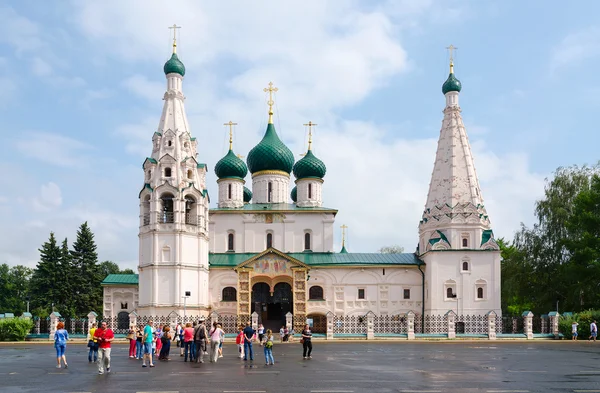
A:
(593, 331)
(574, 331)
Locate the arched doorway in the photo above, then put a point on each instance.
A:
(272, 307)
(123, 321)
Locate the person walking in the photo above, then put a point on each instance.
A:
(261, 333)
(215, 340)
(593, 331)
(188, 339)
(139, 347)
(248, 337)
(60, 343)
(221, 340)
(147, 341)
(281, 333)
(159, 342)
(132, 341)
(268, 348)
(104, 336)
(239, 341)
(200, 340)
(180, 343)
(574, 331)
(92, 345)
(166, 344)
(307, 342)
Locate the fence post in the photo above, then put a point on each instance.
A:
(288, 320)
(528, 324)
(451, 317)
(255, 320)
(329, 325)
(491, 318)
(554, 317)
(26, 315)
(370, 322)
(133, 318)
(91, 319)
(410, 322)
(37, 325)
(54, 318)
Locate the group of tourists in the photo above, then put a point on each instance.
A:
(593, 331)
(194, 340)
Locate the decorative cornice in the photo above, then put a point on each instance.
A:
(465, 213)
(270, 172)
(317, 179)
(236, 179)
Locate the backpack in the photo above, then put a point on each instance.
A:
(269, 344)
(200, 333)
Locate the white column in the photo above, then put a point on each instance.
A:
(554, 317)
(491, 317)
(330, 325)
(370, 327)
(410, 329)
(451, 316)
(528, 324)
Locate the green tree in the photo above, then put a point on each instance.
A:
(108, 267)
(127, 271)
(45, 282)
(86, 282)
(19, 278)
(67, 272)
(395, 249)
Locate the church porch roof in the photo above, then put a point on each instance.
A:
(121, 279)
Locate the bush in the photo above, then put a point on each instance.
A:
(15, 329)
(584, 319)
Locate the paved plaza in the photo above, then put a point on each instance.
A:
(344, 367)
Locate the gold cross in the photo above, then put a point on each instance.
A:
(451, 48)
(344, 227)
(230, 124)
(271, 90)
(310, 125)
(174, 27)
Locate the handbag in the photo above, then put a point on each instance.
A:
(302, 340)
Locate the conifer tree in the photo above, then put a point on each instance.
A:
(45, 282)
(67, 272)
(86, 278)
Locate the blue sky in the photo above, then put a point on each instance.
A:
(81, 87)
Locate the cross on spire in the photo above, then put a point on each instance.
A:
(230, 124)
(271, 90)
(451, 49)
(174, 27)
(310, 125)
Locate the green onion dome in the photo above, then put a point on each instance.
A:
(271, 154)
(309, 166)
(231, 166)
(451, 84)
(174, 65)
(247, 195)
(294, 194)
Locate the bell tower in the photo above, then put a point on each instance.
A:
(173, 235)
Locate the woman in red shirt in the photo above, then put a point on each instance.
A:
(188, 339)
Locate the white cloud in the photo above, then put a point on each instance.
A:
(576, 48)
(50, 198)
(144, 88)
(53, 149)
(41, 68)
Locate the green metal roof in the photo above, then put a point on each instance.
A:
(309, 166)
(486, 235)
(270, 154)
(201, 166)
(247, 195)
(273, 207)
(231, 166)
(121, 279)
(174, 65)
(451, 84)
(315, 259)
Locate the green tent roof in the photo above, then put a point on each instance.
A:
(315, 259)
(121, 279)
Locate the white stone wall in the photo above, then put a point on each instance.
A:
(288, 229)
(114, 296)
(445, 269)
(280, 187)
(316, 194)
(237, 193)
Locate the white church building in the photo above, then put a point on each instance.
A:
(268, 245)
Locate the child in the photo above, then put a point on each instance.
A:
(239, 340)
(574, 331)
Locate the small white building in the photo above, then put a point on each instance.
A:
(270, 249)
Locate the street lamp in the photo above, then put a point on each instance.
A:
(187, 294)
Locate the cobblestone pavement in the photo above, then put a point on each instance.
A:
(341, 367)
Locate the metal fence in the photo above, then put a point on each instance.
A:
(390, 324)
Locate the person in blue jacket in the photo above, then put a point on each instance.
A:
(60, 343)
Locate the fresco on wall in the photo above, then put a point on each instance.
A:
(272, 265)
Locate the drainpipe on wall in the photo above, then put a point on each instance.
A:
(423, 299)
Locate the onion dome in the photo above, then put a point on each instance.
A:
(231, 166)
(174, 65)
(270, 154)
(294, 194)
(451, 84)
(247, 195)
(309, 166)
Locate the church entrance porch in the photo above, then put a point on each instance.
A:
(272, 305)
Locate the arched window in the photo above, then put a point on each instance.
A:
(307, 241)
(465, 266)
(229, 294)
(309, 190)
(190, 174)
(465, 242)
(149, 176)
(315, 293)
(146, 210)
(230, 242)
(191, 212)
(169, 143)
(449, 293)
(229, 191)
(167, 172)
(269, 191)
(269, 240)
(166, 213)
(480, 293)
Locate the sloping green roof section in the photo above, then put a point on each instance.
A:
(201, 166)
(274, 207)
(486, 235)
(315, 259)
(121, 279)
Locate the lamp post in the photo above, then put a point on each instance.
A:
(187, 294)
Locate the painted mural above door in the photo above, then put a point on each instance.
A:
(272, 265)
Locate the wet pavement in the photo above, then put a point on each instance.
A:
(338, 367)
